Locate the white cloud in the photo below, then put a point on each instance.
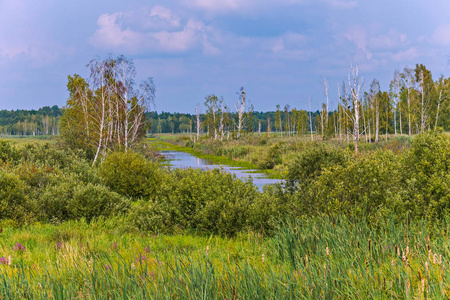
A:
(358, 36)
(407, 55)
(441, 35)
(290, 45)
(224, 6)
(219, 5)
(393, 39)
(341, 3)
(150, 33)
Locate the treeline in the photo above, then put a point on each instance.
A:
(44, 121)
(414, 103)
(166, 122)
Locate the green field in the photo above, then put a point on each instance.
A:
(372, 225)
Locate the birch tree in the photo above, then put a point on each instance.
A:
(394, 88)
(198, 123)
(408, 83)
(108, 109)
(240, 109)
(356, 85)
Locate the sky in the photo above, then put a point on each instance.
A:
(279, 51)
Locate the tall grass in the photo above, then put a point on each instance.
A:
(315, 258)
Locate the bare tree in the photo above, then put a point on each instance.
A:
(394, 91)
(197, 112)
(221, 121)
(326, 108)
(356, 85)
(310, 119)
(375, 101)
(240, 109)
(408, 82)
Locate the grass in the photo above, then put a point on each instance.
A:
(315, 258)
(254, 152)
(162, 145)
(20, 140)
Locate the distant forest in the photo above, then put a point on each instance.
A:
(45, 121)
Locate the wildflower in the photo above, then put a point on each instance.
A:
(133, 266)
(114, 246)
(388, 247)
(107, 267)
(19, 247)
(147, 249)
(58, 245)
(4, 261)
(140, 258)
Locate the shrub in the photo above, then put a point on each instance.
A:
(425, 177)
(8, 152)
(130, 174)
(202, 201)
(271, 158)
(12, 197)
(358, 188)
(311, 162)
(71, 199)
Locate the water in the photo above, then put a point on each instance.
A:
(183, 160)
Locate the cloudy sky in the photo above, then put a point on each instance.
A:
(278, 50)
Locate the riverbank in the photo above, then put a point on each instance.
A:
(163, 145)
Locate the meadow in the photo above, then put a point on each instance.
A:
(371, 226)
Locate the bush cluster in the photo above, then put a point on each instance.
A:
(41, 182)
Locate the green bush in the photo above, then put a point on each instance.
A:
(130, 174)
(425, 178)
(8, 152)
(271, 157)
(71, 199)
(310, 164)
(12, 196)
(358, 188)
(202, 201)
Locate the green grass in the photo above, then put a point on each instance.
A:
(161, 145)
(315, 258)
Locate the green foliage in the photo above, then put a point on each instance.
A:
(130, 174)
(210, 201)
(312, 162)
(357, 188)
(7, 151)
(271, 157)
(12, 196)
(425, 177)
(70, 199)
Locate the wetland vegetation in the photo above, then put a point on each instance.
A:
(96, 213)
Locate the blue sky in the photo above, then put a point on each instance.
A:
(280, 51)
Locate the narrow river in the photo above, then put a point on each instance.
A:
(184, 160)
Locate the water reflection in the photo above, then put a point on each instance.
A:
(183, 160)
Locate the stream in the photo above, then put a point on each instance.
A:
(183, 160)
